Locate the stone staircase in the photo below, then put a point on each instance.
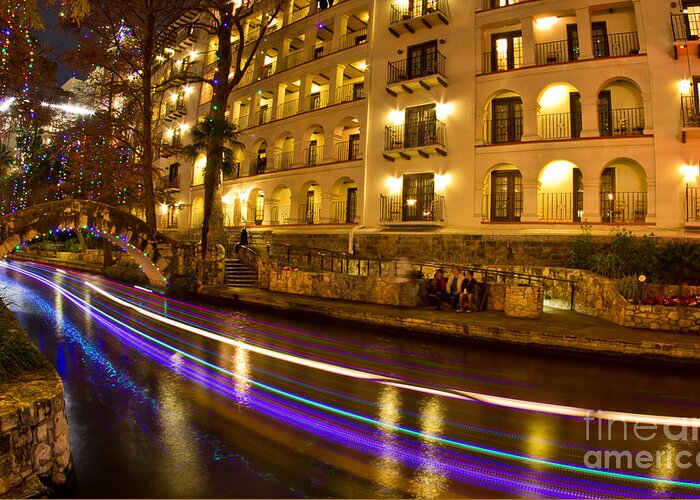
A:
(238, 274)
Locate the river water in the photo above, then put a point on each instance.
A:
(171, 399)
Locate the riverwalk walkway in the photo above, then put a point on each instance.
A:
(557, 329)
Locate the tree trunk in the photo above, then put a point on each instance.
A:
(213, 223)
(147, 156)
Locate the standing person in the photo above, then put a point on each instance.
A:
(438, 288)
(454, 287)
(244, 239)
(467, 292)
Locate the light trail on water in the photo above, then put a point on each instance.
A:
(462, 461)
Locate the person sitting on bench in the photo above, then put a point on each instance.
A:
(454, 287)
(467, 293)
(438, 288)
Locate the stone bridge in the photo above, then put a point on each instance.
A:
(160, 257)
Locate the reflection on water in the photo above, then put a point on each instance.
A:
(430, 480)
(387, 468)
(241, 367)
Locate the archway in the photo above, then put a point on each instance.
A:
(503, 118)
(344, 201)
(623, 192)
(620, 109)
(197, 211)
(314, 140)
(281, 209)
(503, 194)
(347, 133)
(198, 170)
(560, 192)
(310, 208)
(256, 207)
(284, 151)
(559, 112)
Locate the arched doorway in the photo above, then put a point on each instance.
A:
(560, 193)
(503, 194)
(623, 192)
(344, 197)
(559, 114)
(256, 207)
(503, 118)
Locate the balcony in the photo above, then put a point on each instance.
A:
(691, 117)
(311, 211)
(350, 92)
(623, 208)
(170, 183)
(420, 209)
(313, 156)
(555, 53)
(692, 204)
(408, 17)
(287, 109)
(353, 39)
(284, 161)
(615, 45)
(174, 110)
(342, 213)
(560, 207)
(241, 122)
(258, 166)
(170, 146)
(348, 151)
(685, 28)
(502, 207)
(423, 138)
(492, 62)
(263, 116)
(407, 76)
(503, 130)
(496, 4)
(316, 100)
(556, 126)
(621, 122)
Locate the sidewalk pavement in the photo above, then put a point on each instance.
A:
(557, 329)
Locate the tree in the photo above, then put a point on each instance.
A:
(7, 159)
(75, 9)
(207, 132)
(120, 44)
(235, 54)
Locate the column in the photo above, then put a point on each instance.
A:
(282, 54)
(651, 201)
(585, 41)
(479, 51)
(589, 117)
(254, 108)
(298, 160)
(530, 122)
(336, 80)
(639, 23)
(528, 31)
(591, 200)
(330, 147)
(295, 216)
(326, 204)
(304, 92)
(529, 201)
(310, 41)
(340, 28)
(287, 9)
(281, 96)
(235, 110)
(648, 124)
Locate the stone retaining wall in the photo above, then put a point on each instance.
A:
(33, 431)
(388, 291)
(524, 301)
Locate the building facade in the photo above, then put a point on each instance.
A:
(481, 116)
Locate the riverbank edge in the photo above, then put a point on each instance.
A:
(523, 337)
(35, 456)
(530, 337)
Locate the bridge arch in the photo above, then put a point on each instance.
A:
(159, 256)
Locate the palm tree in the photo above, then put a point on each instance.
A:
(219, 140)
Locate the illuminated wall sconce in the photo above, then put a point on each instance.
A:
(690, 173)
(685, 86)
(394, 185)
(396, 117)
(544, 23)
(443, 110)
(442, 181)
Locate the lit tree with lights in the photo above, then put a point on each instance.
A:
(226, 22)
(119, 47)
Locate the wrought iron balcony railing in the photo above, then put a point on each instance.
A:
(503, 130)
(419, 207)
(623, 207)
(414, 134)
(404, 70)
(555, 52)
(404, 11)
(560, 207)
(619, 122)
(689, 111)
(692, 204)
(615, 44)
(685, 26)
(348, 151)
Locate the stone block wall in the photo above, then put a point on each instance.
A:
(524, 301)
(388, 291)
(33, 433)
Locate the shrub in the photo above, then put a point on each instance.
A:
(183, 285)
(628, 287)
(128, 271)
(582, 249)
(677, 262)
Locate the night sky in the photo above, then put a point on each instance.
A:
(58, 41)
